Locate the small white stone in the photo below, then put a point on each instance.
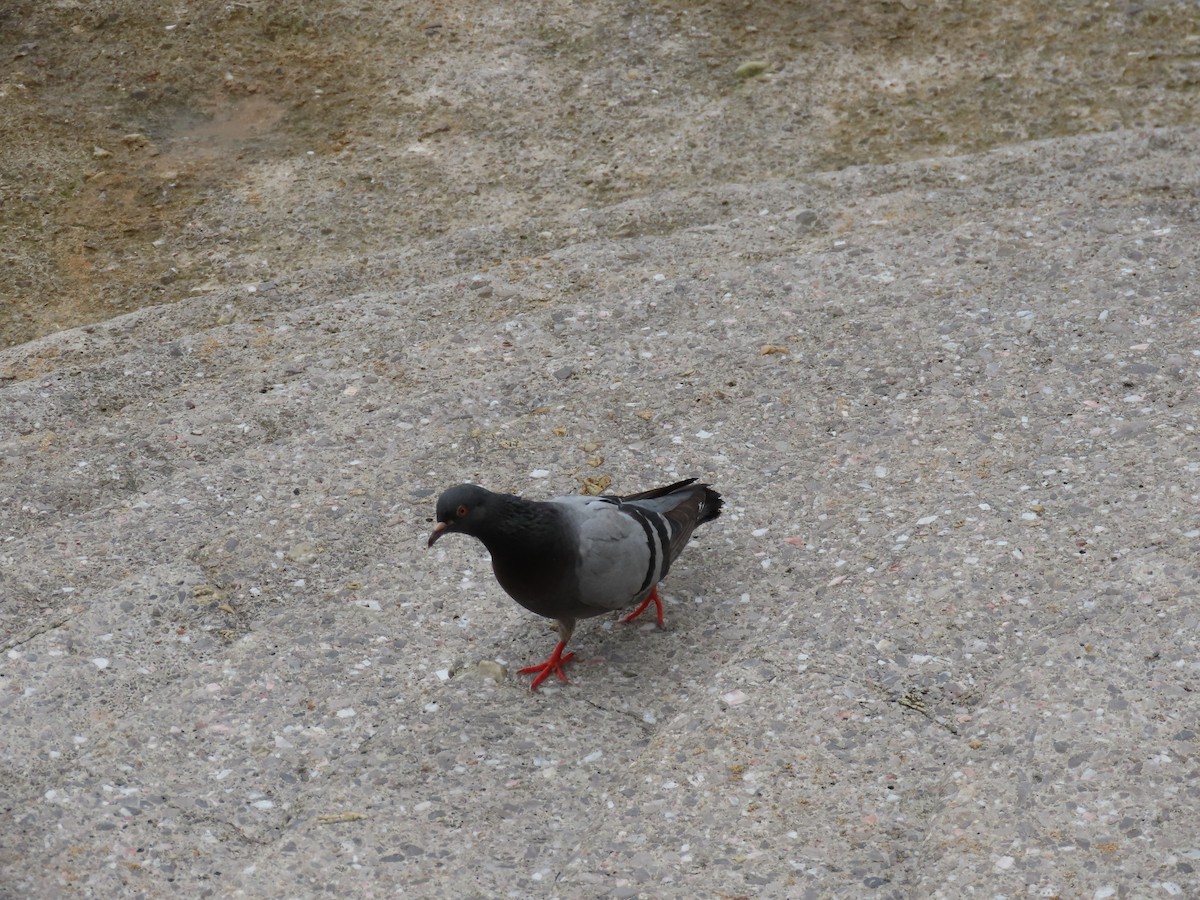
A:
(926, 520)
(368, 604)
(759, 532)
(346, 713)
(1005, 862)
(100, 662)
(593, 756)
(263, 804)
(539, 473)
(735, 697)
(443, 674)
(704, 435)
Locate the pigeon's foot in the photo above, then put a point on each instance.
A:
(553, 664)
(641, 609)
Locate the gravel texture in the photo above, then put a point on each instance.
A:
(942, 643)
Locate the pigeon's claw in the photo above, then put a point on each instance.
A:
(553, 665)
(641, 609)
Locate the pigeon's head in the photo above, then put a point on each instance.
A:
(464, 509)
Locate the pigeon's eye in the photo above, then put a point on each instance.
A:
(461, 512)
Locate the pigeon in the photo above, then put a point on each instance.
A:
(572, 557)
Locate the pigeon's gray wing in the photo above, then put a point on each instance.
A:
(617, 559)
(627, 544)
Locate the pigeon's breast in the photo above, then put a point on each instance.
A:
(538, 584)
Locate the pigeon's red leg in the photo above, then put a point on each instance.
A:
(553, 664)
(641, 609)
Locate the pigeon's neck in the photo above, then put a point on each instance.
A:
(534, 555)
(524, 531)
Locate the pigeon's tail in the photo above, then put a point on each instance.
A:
(710, 506)
(685, 504)
(708, 503)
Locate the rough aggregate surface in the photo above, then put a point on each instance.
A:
(942, 643)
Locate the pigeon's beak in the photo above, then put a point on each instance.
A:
(438, 530)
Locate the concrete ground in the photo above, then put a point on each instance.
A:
(942, 643)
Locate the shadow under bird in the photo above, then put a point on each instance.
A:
(572, 557)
